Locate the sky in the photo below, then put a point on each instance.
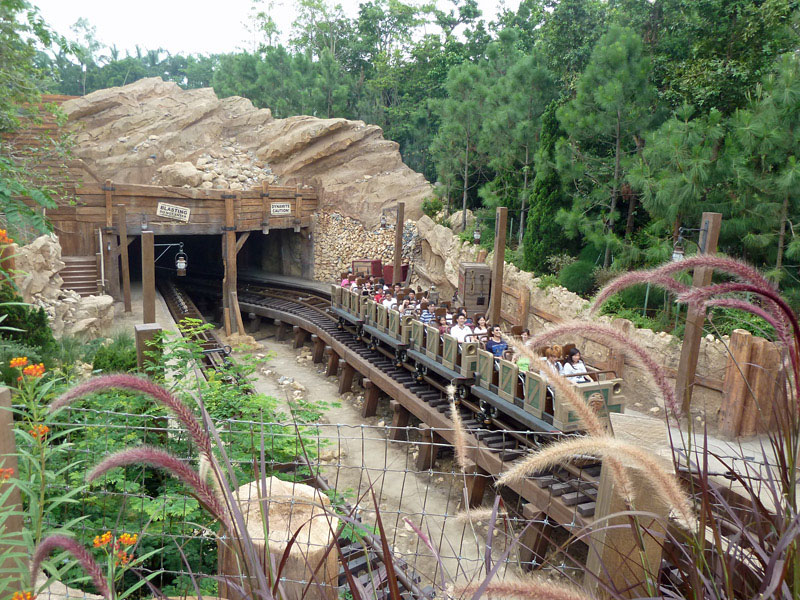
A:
(185, 26)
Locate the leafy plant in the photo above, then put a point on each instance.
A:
(432, 206)
(117, 357)
(578, 277)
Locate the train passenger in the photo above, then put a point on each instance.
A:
(525, 335)
(460, 330)
(550, 361)
(574, 368)
(427, 312)
(443, 326)
(378, 291)
(346, 281)
(496, 344)
(389, 300)
(481, 332)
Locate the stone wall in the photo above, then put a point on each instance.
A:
(37, 266)
(339, 240)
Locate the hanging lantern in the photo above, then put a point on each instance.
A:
(181, 262)
(476, 235)
(265, 226)
(144, 222)
(296, 224)
(678, 253)
(383, 221)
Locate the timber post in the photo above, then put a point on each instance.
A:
(475, 485)
(397, 274)
(333, 364)
(735, 390)
(122, 228)
(400, 416)
(148, 278)
(12, 543)
(371, 395)
(428, 448)
(496, 296)
(109, 240)
(319, 349)
(690, 350)
(234, 317)
(536, 539)
(346, 379)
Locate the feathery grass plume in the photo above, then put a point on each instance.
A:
(478, 514)
(621, 343)
(526, 588)
(632, 278)
(87, 562)
(140, 384)
(567, 392)
(168, 462)
(556, 454)
(739, 269)
(663, 481)
(459, 435)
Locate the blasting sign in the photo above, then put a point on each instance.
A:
(280, 208)
(171, 211)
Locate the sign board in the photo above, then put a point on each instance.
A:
(280, 208)
(171, 211)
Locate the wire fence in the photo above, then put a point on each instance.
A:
(368, 475)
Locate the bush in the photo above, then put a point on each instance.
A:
(34, 328)
(432, 206)
(578, 277)
(557, 262)
(547, 281)
(117, 357)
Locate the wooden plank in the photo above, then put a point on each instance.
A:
(12, 540)
(761, 412)
(148, 278)
(235, 315)
(371, 396)
(122, 228)
(496, 294)
(109, 198)
(242, 239)
(735, 389)
(398, 243)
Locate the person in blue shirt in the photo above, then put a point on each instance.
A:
(496, 344)
(427, 314)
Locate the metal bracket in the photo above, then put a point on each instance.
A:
(109, 230)
(108, 188)
(227, 228)
(265, 195)
(227, 196)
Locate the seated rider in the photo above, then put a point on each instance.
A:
(460, 330)
(496, 344)
(574, 368)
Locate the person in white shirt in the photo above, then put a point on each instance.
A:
(460, 331)
(388, 301)
(481, 331)
(574, 368)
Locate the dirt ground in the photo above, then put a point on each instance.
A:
(360, 458)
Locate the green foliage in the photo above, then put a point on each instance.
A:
(117, 357)
(10, 349)
(432, 206)
(549, 280)
(722, 321)
(31, 324)
(578, 277)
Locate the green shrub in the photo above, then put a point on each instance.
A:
(432, 206)
(578, 277)
(547, 281)
(31, 323)
(117, 357)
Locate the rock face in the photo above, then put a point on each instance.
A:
(38, 264)
(143, 132)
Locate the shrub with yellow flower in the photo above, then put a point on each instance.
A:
(18, 362)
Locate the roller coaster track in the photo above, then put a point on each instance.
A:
(566, 496)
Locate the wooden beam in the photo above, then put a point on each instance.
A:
(107, 192)
(495, 299)
(735, 390)
(710, 224)
(234, 315)
(242, 239)
(346, 379)
(148, 278)
(371, 396)
(762, 410)
(428, 448)
(122, 228)
(144, 334)
(400, 417)
(475, 480)
(12, 540)
(397, 274)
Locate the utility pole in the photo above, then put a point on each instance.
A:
(398, 243)
(709, 237)
(497, 265)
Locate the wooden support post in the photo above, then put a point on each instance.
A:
(371, 396)
(230, 281)
(109, 249)
(319, 349)
(428, 448)
(346, 379)
(709, 236)
(619, 557)
(400, 416)
(616, 359)
(12, 540)
(301, 336)
(496, 297)
(148, 278)
(284, 329)
(761, 412)
(536, 539)
(735, 390)
(144, 334)
(398, 243)
(475, 485)
(333, 364)
(122, 228)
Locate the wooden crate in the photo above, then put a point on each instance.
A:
(474, 285)
(417, 340)
(469, 359)
(507, 386)
(449, 351)
(394, 323)
(432, 344)
(485, 368)
(381, 317)
(370, 312)
(535, 394)
(336, 296)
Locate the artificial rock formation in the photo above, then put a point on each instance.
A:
(147, 131)
(37, 266)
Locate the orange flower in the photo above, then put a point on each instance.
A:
(102, 540)
(23, 595)
(123, 558)
(34, 370)
(18, 361)
(4, 239)
(39, 431)
(6, 474)
(126, 539)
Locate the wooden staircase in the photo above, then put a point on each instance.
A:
(80, 274)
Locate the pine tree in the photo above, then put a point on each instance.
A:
(611, 108)
(543, 236)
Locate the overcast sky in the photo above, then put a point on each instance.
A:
(183, 26)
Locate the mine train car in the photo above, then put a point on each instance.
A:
(497, 384)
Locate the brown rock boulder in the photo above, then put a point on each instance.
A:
(132, 133)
